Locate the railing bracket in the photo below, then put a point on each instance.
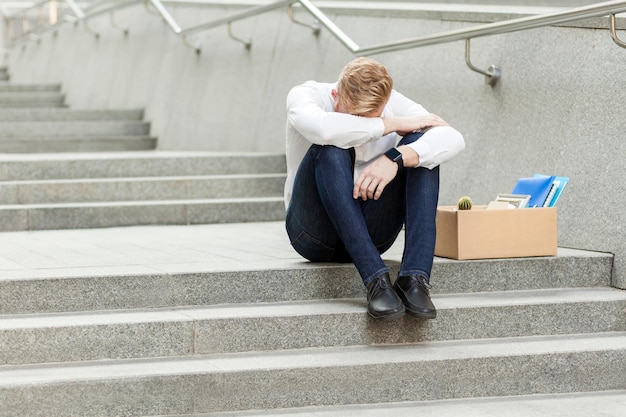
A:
(247, 42)
(195, 46)
(617, 40)
(90, 30)
(116, 26)
(316, 27)
(492, 75)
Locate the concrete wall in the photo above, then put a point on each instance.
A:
(559, 108)
(3, 30)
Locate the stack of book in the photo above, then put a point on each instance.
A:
(537, 191)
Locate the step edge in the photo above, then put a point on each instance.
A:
(313, 358)
(142, 203)
(304, 308)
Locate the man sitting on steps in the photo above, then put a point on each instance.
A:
(351, 185)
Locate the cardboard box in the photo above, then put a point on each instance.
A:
(497, 233)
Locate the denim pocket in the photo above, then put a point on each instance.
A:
(311, 248)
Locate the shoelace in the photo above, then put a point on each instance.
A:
(380, 285)
(421, 281)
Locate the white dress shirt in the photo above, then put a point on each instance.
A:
(311, 118)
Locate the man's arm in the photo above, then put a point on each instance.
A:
(405, 125)
(308, 114)
(439, 144)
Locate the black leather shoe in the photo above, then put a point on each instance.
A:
(414, 292)
(383, 302)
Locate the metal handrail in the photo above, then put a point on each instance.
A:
(72, 5)
(10, 18)
(75, 9)
(507, 26)
(158, 5)
(492, 75)
(610, 8)
(237, 16)
(32, 6)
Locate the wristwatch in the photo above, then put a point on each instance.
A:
(396, 157)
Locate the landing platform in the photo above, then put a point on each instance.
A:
(166, 249)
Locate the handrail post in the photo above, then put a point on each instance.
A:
(492, 74)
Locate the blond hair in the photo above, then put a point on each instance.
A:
(364, 86)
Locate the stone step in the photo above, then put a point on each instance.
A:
(308, 377)
(28, 88)
(65, 114)
(139, 189)
(318, 323)
(131, 213)
(101, 143)
(74, 129)
(612, 403)
(136, 164)
(30, 99)
(214, 264)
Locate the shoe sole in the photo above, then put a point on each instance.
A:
(388, 315)
(420, 315)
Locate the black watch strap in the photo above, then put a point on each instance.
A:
(396, 157)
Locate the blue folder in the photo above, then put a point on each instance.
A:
(559, 185)
(537, 187)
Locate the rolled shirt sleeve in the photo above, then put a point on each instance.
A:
(308, 112)
(438, 145)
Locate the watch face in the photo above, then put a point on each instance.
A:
(394, 154)
(396, 157)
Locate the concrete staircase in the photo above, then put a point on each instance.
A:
(83, 190)
(177, 331)
(62, 168)
(216, 318)
(34, 118)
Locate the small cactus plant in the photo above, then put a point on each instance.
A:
(465, 203)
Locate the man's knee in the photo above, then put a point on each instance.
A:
(329, 154)
(331, 151)
(410, 138)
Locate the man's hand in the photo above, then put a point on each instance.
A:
(405, 125)
(382, 171)
(375, 178)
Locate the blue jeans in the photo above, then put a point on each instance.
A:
(325, 224)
